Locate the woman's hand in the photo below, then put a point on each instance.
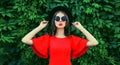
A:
(77, 25)
(43, 24)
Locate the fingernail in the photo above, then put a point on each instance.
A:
(44, 22)
(76, 23)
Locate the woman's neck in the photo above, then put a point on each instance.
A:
(60, 33)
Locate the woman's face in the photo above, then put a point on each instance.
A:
(60, 20)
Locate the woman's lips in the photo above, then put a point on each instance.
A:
(60, 24)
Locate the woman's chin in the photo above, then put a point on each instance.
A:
(60, 27)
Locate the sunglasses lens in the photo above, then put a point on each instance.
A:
(57, 18)
(64, 18)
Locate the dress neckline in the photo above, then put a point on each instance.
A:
(59, 37)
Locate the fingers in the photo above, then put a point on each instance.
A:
(44, 22)
(75, 23)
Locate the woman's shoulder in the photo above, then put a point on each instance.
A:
(74, 36)
(45, 35)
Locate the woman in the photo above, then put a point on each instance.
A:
(59, 44)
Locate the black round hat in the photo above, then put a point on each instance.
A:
(60, 8)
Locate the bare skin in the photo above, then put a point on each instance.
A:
(59, 32)
(60, 29)
(92, 41)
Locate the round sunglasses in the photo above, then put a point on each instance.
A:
(63, 18)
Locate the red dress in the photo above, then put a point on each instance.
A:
(60, 50)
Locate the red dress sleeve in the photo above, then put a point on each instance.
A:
(40, 46)
(78, 46)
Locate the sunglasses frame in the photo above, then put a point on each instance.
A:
(63, 18)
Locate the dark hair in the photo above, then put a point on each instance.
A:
(52, 29)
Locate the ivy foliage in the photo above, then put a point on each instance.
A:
(100, 17)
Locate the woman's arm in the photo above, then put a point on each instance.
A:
(92, 40)
(27, 38)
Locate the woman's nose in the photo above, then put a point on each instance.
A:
(60, 20)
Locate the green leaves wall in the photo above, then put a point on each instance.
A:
(99, 17)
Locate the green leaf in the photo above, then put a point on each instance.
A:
(88, 11)
(86, 1)
(96, 5)
(108, 8)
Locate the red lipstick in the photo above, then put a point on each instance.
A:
(60, 24)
